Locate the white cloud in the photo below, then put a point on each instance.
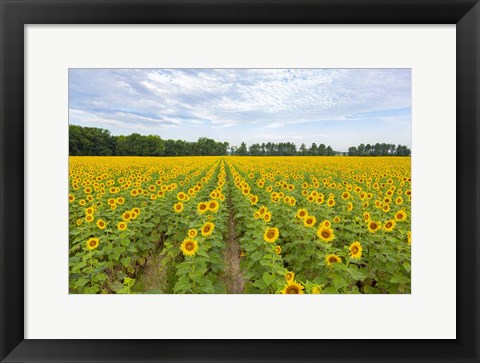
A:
(243, 99)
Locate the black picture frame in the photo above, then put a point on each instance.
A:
(15, 14)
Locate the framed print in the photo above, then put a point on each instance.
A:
(217, 82)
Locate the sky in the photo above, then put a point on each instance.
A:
(336, 107)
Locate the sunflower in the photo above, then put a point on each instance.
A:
(271, 234)
(192, 233)
(213, 205)
(262, 210)
(374, 226)
(202, 207)
(316, 289)
(126, 216)
(389, 225)
(101, 224)
(349, 206)
(120, 200)
(331, 203)
(79, 222)
(331, 259)
(289, 276)
(89, 218)
(182, 196)
(356, 250)
(336, 219)
(400, 215)
(293, 287)
(278, 250)
(309, 221)
(93, 243)
(89, 210)
(345, 195)
(267, 216)
(302, 213)
(399, 201)
(409, 237)
(71, 198)
(366, 216)
(326, 223)
(207, 229)
(189, 247)
(325, 233)
(122, 226)
(178, 207)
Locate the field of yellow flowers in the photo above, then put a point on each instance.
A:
(291, 225)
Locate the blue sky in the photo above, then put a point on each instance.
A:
(337, 107)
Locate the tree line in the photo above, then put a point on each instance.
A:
(93, 141)
(282, 149)
(379, 150)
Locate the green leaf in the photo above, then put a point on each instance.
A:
(399, 278)
(268, 278)
(357, 274)
(339, 282)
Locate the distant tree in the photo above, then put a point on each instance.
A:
(255, 149)
(352, 151)
(322, 150)
(303, 150)
(242, 149)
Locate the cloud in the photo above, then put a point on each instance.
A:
(237, 99)
(274, 125)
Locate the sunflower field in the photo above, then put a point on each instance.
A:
(259, 225)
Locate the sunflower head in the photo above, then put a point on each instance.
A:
(355, 250)
(178, 207)
(293, 287)
(267, 216)
(389, 225)
(101, 224)
(92, 243)
(189, 247)
(207, 229)
(302, 213)
(374, 226)
(400, 215)
(289, 276)
(409, 237)
(316, 289)
(309, 221)
(192, 233)
(122, 226)
(126, 216)
(202, 207)
(278, 250)
(213, 206)
(325, 233)
(271, 234)
(332, 259)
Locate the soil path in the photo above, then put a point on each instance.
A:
(233, 273)
(154, 275)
